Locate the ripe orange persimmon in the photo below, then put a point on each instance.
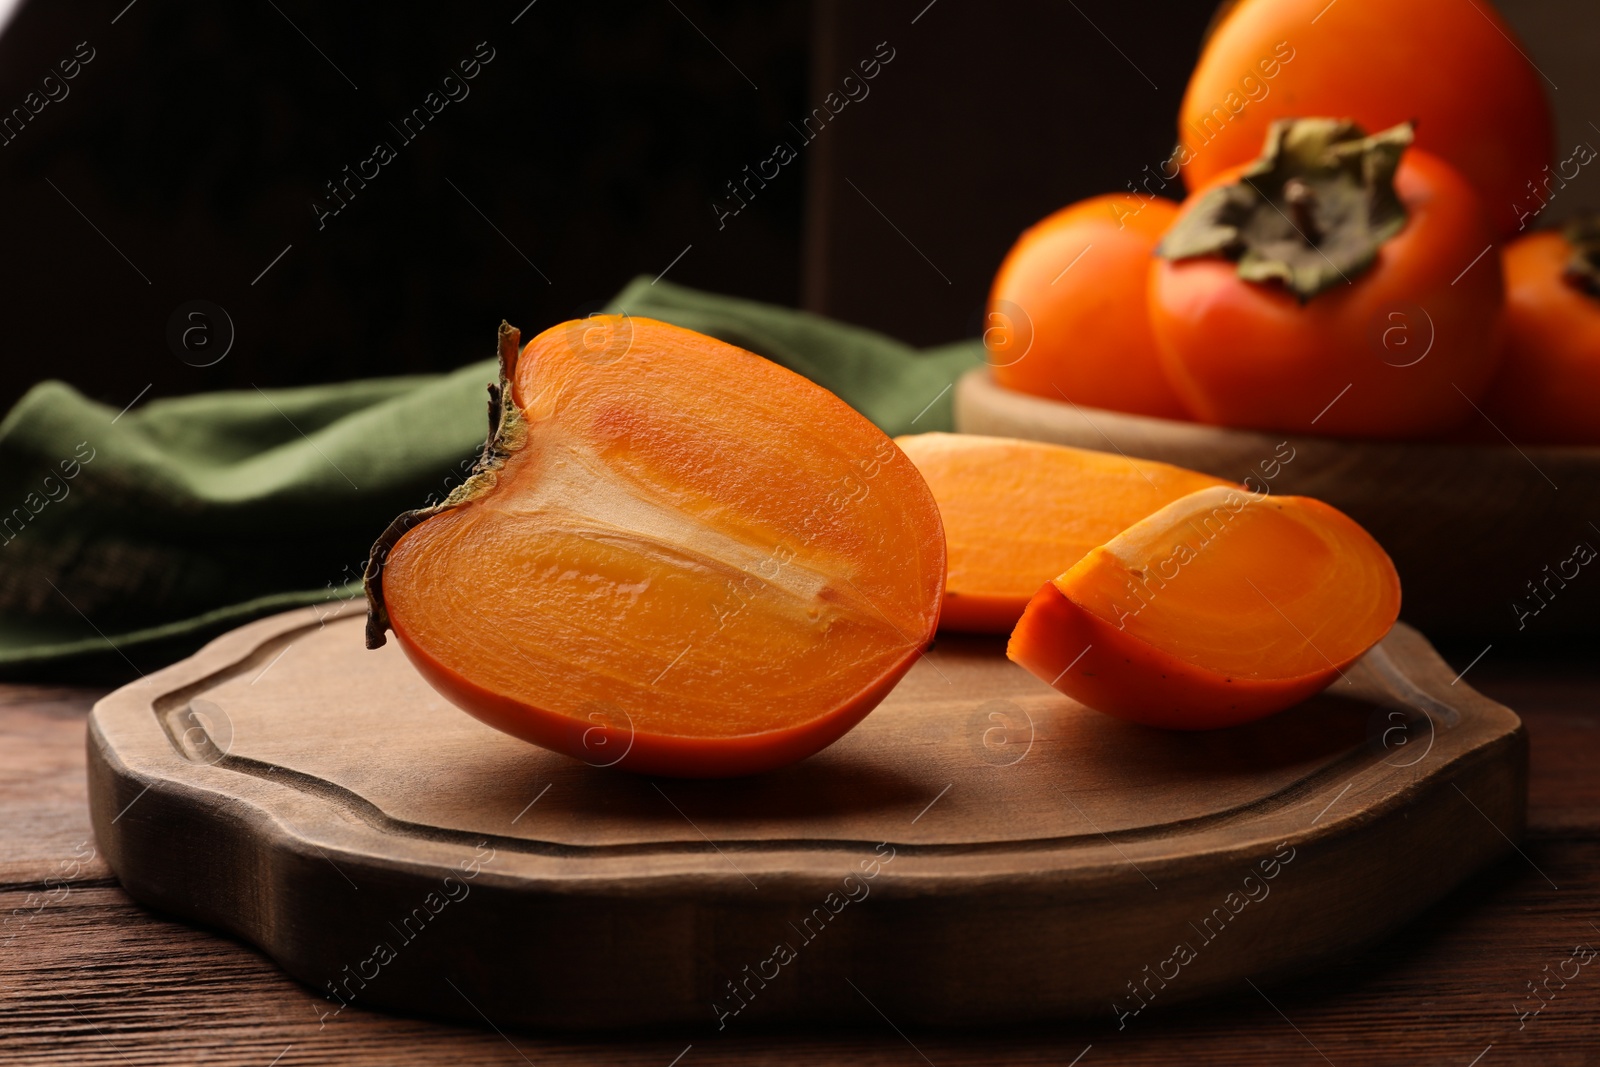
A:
(1221, 608)
(1067, 317)
(674, 557)
(1548, 390)
(1018, 513)
(1339, 285)
(1452, 66)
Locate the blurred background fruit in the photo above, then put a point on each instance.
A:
(1548, 391)
(1326, 359)
(1453, 67)
(1067, 316)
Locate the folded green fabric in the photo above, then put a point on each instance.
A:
(128, 540)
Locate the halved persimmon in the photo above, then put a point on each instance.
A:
(1221, 608)
(1018, 513)
(675, 557)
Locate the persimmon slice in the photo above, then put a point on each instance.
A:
(675, 557)
(1220, 608)
(1018, 513)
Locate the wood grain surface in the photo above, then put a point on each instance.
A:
(318, 799)
(1486, 536)
(91, 978)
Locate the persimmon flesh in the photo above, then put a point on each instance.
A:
(1018, 513)
(679, 558)
(1220, 608)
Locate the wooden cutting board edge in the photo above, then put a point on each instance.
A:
(161, 850)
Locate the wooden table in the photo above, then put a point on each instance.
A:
(87, 977)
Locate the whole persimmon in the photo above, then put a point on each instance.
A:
(1341, 285)
(1452, 66)
(1067, 316)
(1548, 390)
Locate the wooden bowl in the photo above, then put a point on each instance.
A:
(1495, 543)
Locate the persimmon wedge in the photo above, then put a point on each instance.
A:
(675, 557)
(1018, 513)
(1221, 608)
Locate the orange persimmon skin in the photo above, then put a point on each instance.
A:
(609, 740)
(1457, 72)
(1018, 513)
(691, 562)
(1249, 355)
(1067, 314)
(1548, 390)
(1179, 670)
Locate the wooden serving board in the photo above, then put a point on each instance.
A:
(979, 850)
(1486, 536)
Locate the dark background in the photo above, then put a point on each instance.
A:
(592, 149)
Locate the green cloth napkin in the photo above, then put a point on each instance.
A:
(128, 540)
